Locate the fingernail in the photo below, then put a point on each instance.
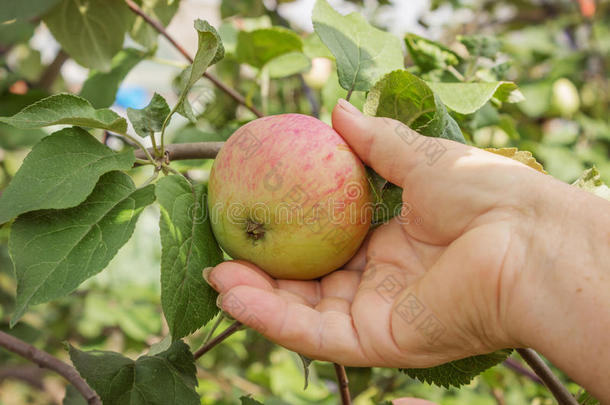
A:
(219, 300)
(206, 275)
(348, 107)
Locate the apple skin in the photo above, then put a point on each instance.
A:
(289, 195)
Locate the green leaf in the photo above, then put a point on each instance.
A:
(429, 55)
(466, 98)
(288, 64)
(585, 398)
(84, 239)
(24, 9)
(391, 203)
(73, 396)
(188, 246)
(163, 379)
(363, 52)
(243, 8)
(249, 401)
(258, 47)
(160, 10)
(66, 109)
(15, 31)
(100, 88)
(406, 98)
(591, 181)
(91, 31)
(313, 47)
(60, 172)
(206, 45)
(209, 50)
(458, 372)
(150, 119)
(306, 363)
(481, 45)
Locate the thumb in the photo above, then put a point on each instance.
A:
(391, 148)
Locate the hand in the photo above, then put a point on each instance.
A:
(426, 288)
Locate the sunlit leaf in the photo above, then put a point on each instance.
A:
(363, 52)
(84, 239)
(90, 31)
(60, 172)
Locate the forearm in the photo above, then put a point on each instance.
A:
(566, 310)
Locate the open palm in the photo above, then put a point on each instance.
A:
(429, 286)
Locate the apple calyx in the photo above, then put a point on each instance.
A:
(255, 230)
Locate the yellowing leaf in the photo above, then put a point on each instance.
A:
(522, 156)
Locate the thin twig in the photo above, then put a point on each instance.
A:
(184, 151)
(29, 374)
(52, 71)
(311, 97)
(518, 368)
(143, 149)
(46, 360)
(346, 398)
(561, 393)
(349, 93)
(161, 30)
(235, 326)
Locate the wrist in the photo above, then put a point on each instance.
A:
(559, 302)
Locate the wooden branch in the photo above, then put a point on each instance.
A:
(234, 327)
(32, 375)
(183, 151)
(46, 360)
(561, 393)
(343, 383)
(518, 368)
(161, 30)
(50, 73)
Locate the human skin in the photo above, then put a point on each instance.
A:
(495, 255)
(287, 193)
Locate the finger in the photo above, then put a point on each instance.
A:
(233, 273)
(341, 284)
(326, 335)
(388, 146)
(412, 255)
(308, 290)
(334, 304)
(229, 274)
(358, 261)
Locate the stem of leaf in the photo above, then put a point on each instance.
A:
(139, 144)
(142, 162)
(456, 73)
(208, 336)
(154, 144)
(235, 326)
(151, 178)
(349, 93)
(168, 62)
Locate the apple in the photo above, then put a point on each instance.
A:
(289, 195)
(565, 99)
